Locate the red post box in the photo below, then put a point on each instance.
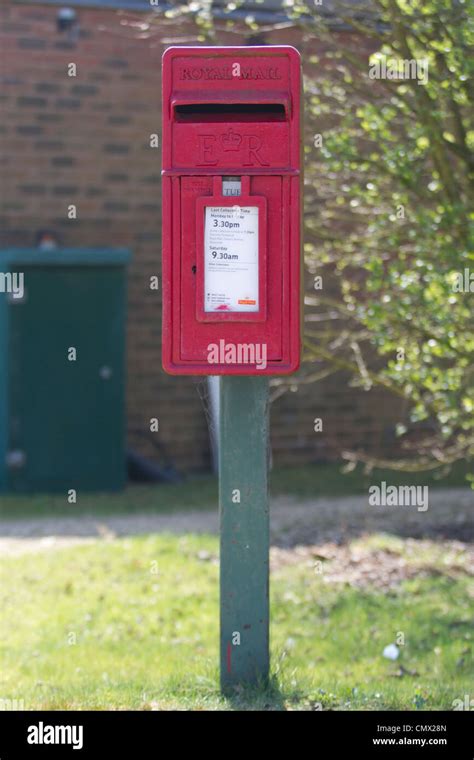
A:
(231, 210)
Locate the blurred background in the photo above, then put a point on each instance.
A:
(385, 393)
(85, 140)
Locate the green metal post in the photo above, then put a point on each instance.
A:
(244, 531)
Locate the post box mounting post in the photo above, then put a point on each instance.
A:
(231, 253)
(244, 532)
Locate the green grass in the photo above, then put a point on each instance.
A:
(132, 623)
(200, 492)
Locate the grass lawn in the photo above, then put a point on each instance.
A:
(200, 492)
(132, 623)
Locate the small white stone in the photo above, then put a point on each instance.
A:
(391, 652)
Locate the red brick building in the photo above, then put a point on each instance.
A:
(85, 140)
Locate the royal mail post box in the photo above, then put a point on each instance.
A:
(231, 210)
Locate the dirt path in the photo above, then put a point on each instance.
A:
(450, 516)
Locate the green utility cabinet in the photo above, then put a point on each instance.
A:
(62, 422)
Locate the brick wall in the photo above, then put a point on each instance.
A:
(85, 140)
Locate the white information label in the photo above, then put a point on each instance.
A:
(231, 258)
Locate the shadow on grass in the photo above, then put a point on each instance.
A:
(259, 696)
